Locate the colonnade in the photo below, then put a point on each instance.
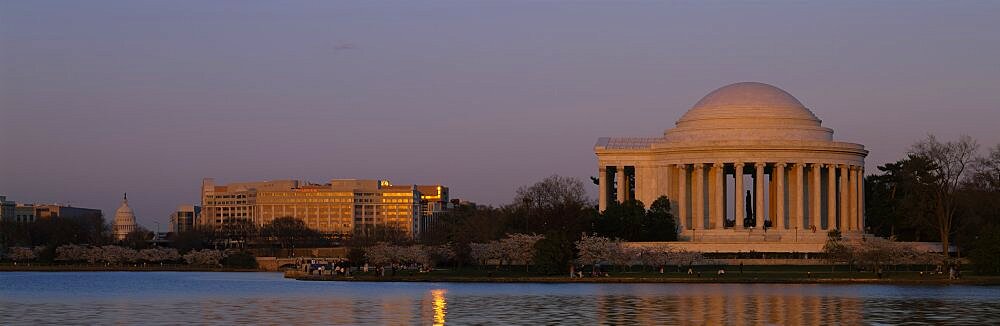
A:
(788, 195)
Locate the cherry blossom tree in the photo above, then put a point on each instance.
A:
(439, 254)
(379, 255)
(520, 247)
(21, 254)
(208, 257)
(71, 252)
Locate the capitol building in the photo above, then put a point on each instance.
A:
(747, 168)
(124, 220)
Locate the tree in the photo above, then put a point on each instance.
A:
(235, 233)
(554, 253)
(358, 244)
(290, 232)
(553, 192)
(116, 254)
(659, 224)
(555, 204)
(207, 257)
(951, 160)
(592, 250)
(519, 247)
(380, 254)
(985, 252)
(138, 239)
(158, 255)
(623, 220)
(439, 253)
(656, 256)
(52, 233)
(479, 253)
(240, 259)
(980, 203)
(899, 200)
(195, 239)
(878, 252)
(71, 253)
(21, 254)
(836, 250)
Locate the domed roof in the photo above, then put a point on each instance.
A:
(124, 209)
(124, 220)
(748, 95)
(749, 111)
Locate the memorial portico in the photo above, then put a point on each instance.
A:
(745, 138)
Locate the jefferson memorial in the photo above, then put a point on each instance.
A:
(747, 168)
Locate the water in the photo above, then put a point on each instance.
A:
(172, 298)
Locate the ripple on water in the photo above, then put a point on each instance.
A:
(267, 298)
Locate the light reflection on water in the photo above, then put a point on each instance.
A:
(266, 298)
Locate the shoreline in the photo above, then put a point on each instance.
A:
(85, 268)
(984, 280)
(975, 280)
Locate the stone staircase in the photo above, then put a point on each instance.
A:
(758, 236)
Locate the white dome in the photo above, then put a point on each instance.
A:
(748, 111)
(124, 220)
(124, 210)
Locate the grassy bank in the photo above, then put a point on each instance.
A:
(116, 268)
(770, 274)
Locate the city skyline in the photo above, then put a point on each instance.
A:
(149, 98)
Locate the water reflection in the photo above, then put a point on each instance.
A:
(250, 298)
(440, 306)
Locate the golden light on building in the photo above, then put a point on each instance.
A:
(340, 207)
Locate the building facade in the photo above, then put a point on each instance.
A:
(49, 211)
(124, 220)
(748, 164)
(18, 212)
(7, 209)
(433, 202)
(184, 218)
(339, 208)
(24, 213)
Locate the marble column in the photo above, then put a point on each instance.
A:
(845, 220)
(663, 182)
(831, 198)
(720, 195)
(622, 183)
(698, 196)
(861, 198)
(779, 221)
(815, 195)
(857, 194)
(639, 186)
(853, 184)
(602, 176)
(759, 196)
(739, 193)
(861, 186)
(713, 189)
(682, 197)
(772, 187)
(799, 215)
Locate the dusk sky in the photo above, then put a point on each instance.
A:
(98, 98)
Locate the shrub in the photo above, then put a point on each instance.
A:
(240, 260)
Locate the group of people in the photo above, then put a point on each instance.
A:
(327, 268)
(577, 272)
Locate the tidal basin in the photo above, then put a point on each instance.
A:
(32, 298)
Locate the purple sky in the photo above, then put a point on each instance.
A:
(148, 97)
